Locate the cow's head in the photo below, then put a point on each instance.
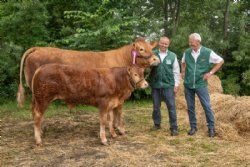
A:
(137, 79)
(142, 53)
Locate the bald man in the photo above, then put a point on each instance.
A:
(196, 70)
(164, 81)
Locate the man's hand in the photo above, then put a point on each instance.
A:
(175, 89)
(213, 70)
(207, 75)
(183, 75)
(183, 70)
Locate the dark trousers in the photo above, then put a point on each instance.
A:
(168, 96)
(204, 98)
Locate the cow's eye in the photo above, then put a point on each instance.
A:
(141, 49)
(136, 75)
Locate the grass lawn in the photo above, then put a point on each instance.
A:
(71, 139)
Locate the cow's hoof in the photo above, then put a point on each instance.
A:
(122, 133)
(105, 143)
(114, 135)
(39, 144)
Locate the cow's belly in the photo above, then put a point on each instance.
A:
(82, 100)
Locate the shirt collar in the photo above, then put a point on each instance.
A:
(198, 51)
(163, 52)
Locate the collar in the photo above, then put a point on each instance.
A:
(163, 52)
(131, 81)
(198, 51)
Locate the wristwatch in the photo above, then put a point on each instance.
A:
(211, 72)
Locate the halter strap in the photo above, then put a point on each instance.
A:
(133, 83)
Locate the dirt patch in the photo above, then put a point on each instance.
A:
(72, 140)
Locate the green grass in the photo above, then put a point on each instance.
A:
(11, 110)
(209, 147)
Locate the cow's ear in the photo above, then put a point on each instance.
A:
(129, 69)
(153, 44)
(134, 45)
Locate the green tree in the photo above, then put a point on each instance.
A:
(107, 24)
(23, 23)
(9, 59)
(110, 25)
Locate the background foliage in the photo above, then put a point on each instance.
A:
(107, 24)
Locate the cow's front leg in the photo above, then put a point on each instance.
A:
(119, 120)
(103, 120)
(111, 127)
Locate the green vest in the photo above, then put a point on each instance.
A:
(195, 71)
(162, 76)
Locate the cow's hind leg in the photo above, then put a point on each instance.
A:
(111, 127)
(70, 107)
(37, 116)
(119, 120)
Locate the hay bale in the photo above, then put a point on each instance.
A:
(214, 86)
(227, 131)
(231, 113)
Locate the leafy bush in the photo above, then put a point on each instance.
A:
(9, 67)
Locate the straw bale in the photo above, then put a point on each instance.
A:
(231, 113)
(214, 86)
(227, 131)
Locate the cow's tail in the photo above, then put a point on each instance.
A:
(20, 92)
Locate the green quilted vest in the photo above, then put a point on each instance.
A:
(162, 76)
(195, 71)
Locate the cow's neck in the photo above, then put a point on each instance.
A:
(127, 55)
(124, 54)
(123, 80)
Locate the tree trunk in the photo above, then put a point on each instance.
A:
(177, 16)
(226, 19)
(165, 11)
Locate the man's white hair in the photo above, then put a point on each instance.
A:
(195, 36)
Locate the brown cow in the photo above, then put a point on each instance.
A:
(122, 57)
(105, 88)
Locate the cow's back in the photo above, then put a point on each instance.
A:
(73, 84)
(48, 55)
